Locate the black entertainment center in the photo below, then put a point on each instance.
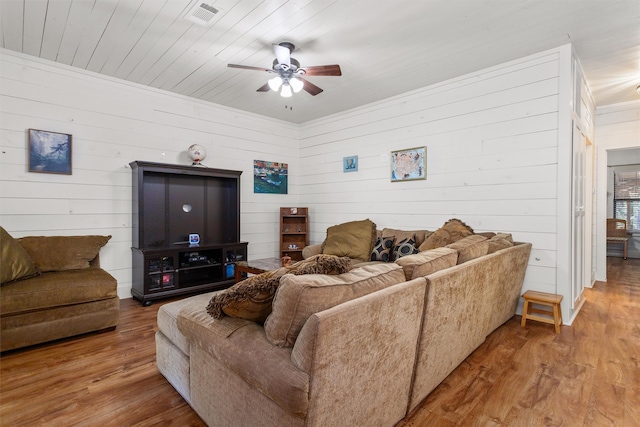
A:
(173, 207)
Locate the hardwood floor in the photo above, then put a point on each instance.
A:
(589, 375)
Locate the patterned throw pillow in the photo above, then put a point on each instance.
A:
(405, 247)
(382, 249)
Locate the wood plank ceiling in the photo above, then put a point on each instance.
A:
(384, 48)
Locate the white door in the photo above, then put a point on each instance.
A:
(578, 223)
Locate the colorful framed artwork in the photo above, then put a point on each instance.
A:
(350, 164)
(409, 164)
(49, 152)
(270, 177)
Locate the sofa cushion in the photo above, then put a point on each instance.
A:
(500, 241)
(427, 262)
(470, 247)
(353, 239)
(452, 231)
(251, 299)
(298, 297)
(417, 235)
(167, 318)
(382, 249)
(403, 248)
(248, 354)
(59, 253)
(57, 288)
(15, 262)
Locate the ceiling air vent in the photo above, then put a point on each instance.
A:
(202, 14)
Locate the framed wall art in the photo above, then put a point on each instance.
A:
(409, 164)
(49, 152)
(350, 164)
(270, 177)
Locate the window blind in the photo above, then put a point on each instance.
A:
(626, 197)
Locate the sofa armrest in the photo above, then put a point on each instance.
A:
(360, 357)
(311, 250)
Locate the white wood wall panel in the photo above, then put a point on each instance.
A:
(493, 142)
(113, 123)
(492, 159)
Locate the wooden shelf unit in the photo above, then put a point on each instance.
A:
(294, 230)
(170, 202)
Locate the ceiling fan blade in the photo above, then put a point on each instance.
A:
(246, 67)
(322, 70)
(264, 88)
(310, 87)
(283, 54)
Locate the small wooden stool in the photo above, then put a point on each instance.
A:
(542, 298)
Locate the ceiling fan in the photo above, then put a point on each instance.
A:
(289, 74)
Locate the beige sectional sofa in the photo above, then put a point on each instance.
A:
(369, 360)
(52, 288)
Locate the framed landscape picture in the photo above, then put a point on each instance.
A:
(49, 152)
(270, 177)
(409, 164)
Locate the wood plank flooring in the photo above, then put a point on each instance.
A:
(589, 375)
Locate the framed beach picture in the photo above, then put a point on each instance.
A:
(409, 164)
(350, 164)
(270, 177)
(49, 152)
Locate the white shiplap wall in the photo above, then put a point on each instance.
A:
(113, 123)
(493, 139)
(498, 145)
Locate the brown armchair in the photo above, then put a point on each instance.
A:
(617, 233)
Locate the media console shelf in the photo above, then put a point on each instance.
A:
(170, 203)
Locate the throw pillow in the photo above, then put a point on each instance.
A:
(251, 298)
(404, 248)
(299, 297)
(382, 249)
(427, 262)
(16, 262)
(470, 247)
(417, 235)
(60, 253)
(353, 239)
(452, 231)
(500, 241)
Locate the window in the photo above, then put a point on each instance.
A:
(626, 197)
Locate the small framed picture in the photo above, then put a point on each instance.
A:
(350, 164)
(409, 164)
(49, 152)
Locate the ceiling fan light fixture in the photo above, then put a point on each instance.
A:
(296, 84)
(286, 91)
(275, 83)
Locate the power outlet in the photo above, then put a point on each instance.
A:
(384, 158)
